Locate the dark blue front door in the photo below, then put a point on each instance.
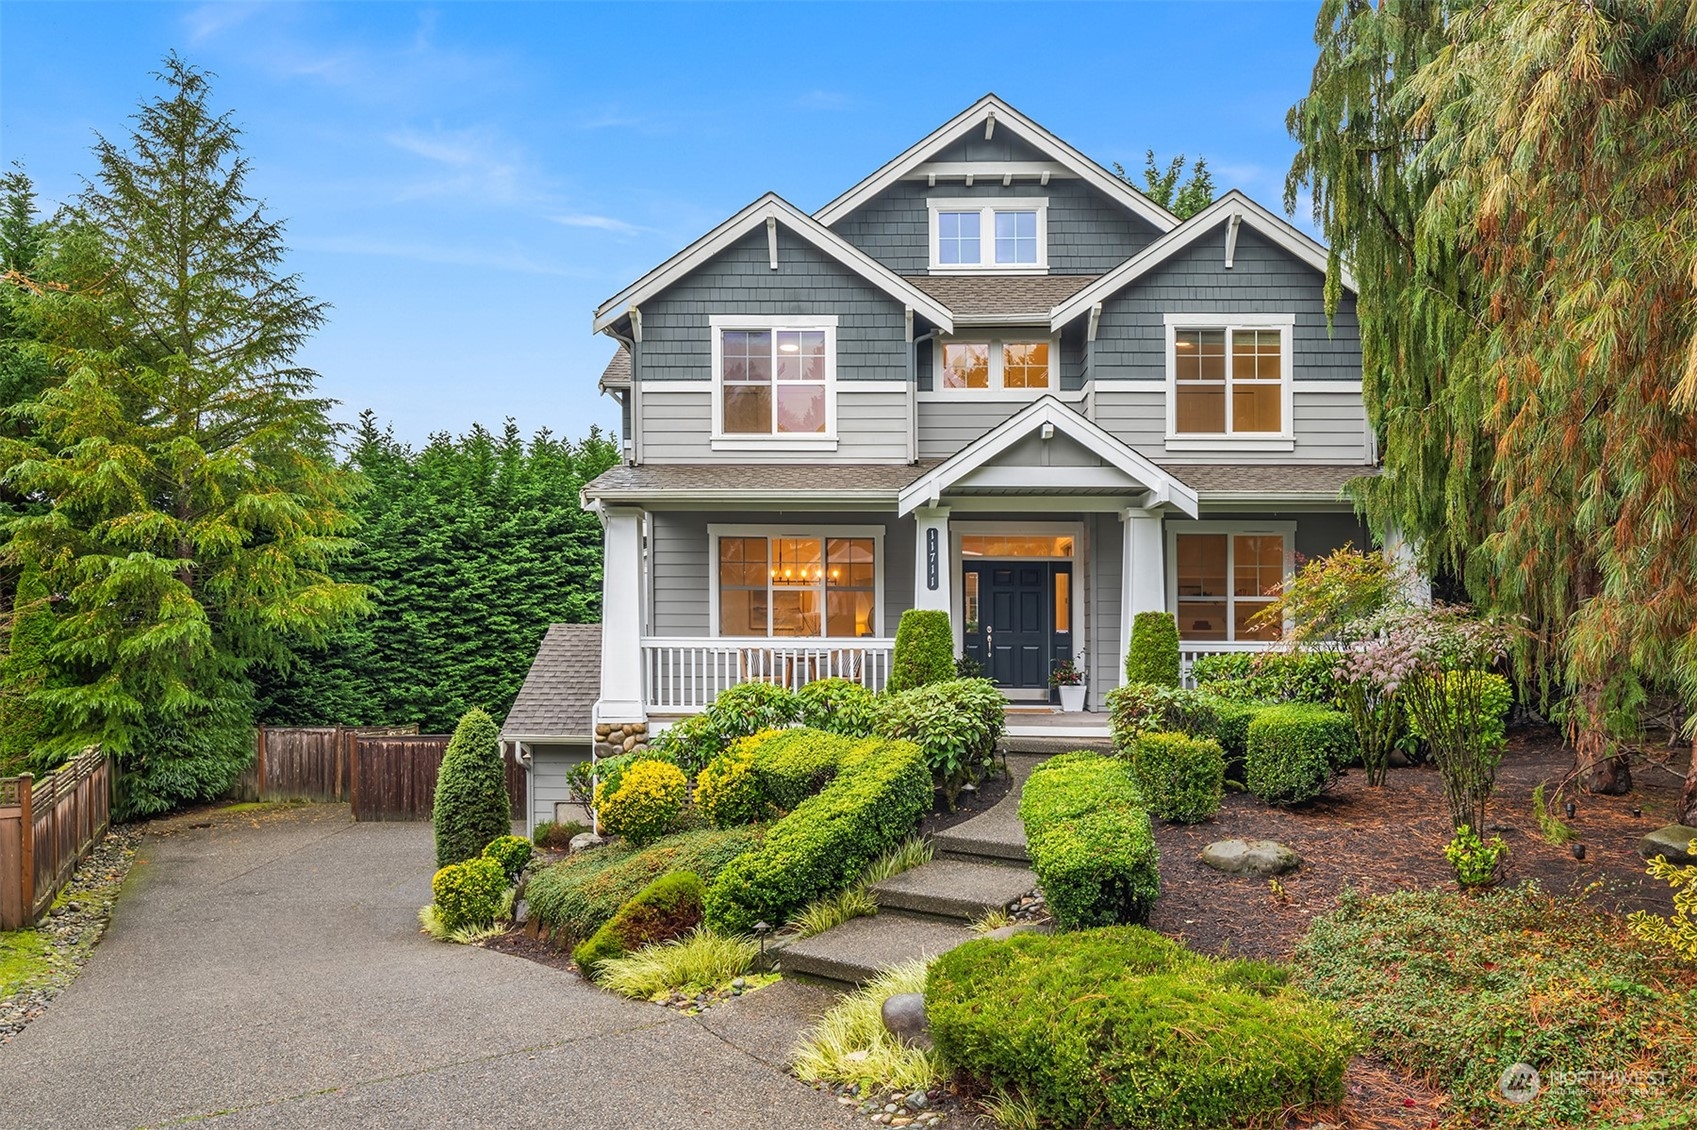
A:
(1011, 619)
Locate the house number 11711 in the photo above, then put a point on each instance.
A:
(931, 559)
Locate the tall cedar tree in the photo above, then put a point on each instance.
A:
(472, 547)
(1509, 183)
(191, 504)
(1183, 198)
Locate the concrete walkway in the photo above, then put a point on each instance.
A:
(267, 971)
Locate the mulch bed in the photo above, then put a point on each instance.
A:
(970, 803)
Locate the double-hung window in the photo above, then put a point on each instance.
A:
(1225, 579)
(1012, 365)
(798, 584)
(774, 378)
(1229, 383)
(1007, 234)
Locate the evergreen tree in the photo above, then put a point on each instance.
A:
(1166, 187)
(471, 806)
(192, 506)
(23, 727)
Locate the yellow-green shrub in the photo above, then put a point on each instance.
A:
(469, 893)
(646, 806)
(727, 791)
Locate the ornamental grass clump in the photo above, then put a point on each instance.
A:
(696, 962)
(1121, 1027)
(850, 1044)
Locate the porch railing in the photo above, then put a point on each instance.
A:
(1189, 651)
(683, 674)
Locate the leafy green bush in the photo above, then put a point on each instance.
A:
(646, 804)
(1456, 988)
(1088, 837)
(607, 772)
(873, 803)
(1163, 1038)
(471, 806)
(1475, 860)
(727, 791)
(1140, 708)
(1462, 716)
(1296, 750)
(837, 706)
(1677, 933)
(736, 712)
(667, 908)
(956, 722)
(925, 650)
(1270, 676)
(512, 853)
(1181, 778)
(1231, 729)
(468, 893)
(689, 744)
(1152, 656)
(577, 895)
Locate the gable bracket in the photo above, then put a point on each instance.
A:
(772, 241)
(989, 124)
(907, 314)
(1095, 322)
(635, 325)
(1232, 226)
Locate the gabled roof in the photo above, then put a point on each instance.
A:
(560, 689)
(975, 116)
(771, 206)
(981, 452)
(988, 299)
(617, 374)
(1233, 203)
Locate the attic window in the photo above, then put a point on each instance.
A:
(1008, 234)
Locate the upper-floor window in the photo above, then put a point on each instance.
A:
(1229, 381)
(773, 377)
(1005, 234)
(1013, 365)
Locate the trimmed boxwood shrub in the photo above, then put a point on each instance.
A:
(924, 652)
(1231, 729)
(770, 773)
(1296, 750)
(1182, 778)
(1088, 837)
(1142, 708)
(957, 723)
(873, 803)
(667, 908)
(1152, 656)
(577, 895)
(512, 853)
(726, 790)
(1163, 1038)
(646, 803)
(837, 706)
(471, 806)
(469, 893)
(1270, 676)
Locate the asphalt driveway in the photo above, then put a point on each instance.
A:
(267, 971)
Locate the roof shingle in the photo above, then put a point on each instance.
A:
(559, 692)
(970, 297)
(617, 374)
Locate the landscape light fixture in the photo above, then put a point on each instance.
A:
(1572, 810)
(1579, 851)
(761, 929)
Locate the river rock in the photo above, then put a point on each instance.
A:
(1674, 841)
(1250, 857)
(583, 841)
(904, 1016)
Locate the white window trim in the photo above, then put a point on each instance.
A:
(987, 207)
(1284, 440)
(995, 392)
(715, 532)
(777, 441)
(1287, 530)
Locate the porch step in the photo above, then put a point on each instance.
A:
(954, 889)
(1051, 743)
(859, 950)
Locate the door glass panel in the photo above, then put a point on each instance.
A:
(1063, 602)
(1001, 546)
(969, 585)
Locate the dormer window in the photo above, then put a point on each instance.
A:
(1017, 367)
(774, 379)
(1008, 234)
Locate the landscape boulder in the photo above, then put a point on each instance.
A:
(583, 841)
(1674, 841)
(1250, 857)
(904, 1016)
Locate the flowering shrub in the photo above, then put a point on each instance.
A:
(1475, 860)
(1368, 679)
(646, 804)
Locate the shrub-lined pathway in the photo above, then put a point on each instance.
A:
(267, 969)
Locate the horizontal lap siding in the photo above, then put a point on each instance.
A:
(550, 765)
(677, 428)
(947, 426)
(1106, 564)
(1330, 426)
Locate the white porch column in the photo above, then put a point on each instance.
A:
(621, 617)
(1143, 571)
(1399, 551)
(931, 559)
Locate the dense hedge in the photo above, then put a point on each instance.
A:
(579, 894)
(468, 893)
(1152, 656)
(956, 722)
(1121, 1027)
(1268, 676)
(1182, 778)
(1231, 729)
(1296, 750)
(1088, 837)
(667, 908)
(1141, 708)
(837, 706)
(924, 652)
(873, 803)
(770, 773)
(471, 806)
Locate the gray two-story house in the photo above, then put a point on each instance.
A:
(991, 378)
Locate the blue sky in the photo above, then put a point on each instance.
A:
(465, 182)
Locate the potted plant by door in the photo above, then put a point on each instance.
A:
(1069, 680)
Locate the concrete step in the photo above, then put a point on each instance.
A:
(1048, 744)
(954, 889)
(860, 949)
(995, 837)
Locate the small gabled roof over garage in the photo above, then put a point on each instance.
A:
(771, 209)
(1227, 214)
(999, 462)
(560, 689)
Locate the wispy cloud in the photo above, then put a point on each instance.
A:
(474, 163)
(482, 259)
(600, 223)
(207, 21)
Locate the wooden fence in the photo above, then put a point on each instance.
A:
(385, 773)
(47, 826)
